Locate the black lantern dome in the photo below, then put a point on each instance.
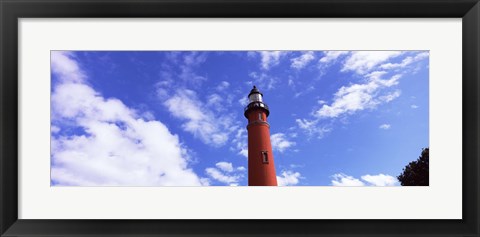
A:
(255, 91)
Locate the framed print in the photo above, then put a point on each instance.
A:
(143, 118)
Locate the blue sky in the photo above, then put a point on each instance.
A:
(175, 118)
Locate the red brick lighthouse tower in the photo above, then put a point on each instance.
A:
(261, 168)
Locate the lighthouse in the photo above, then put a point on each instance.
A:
(261, 168)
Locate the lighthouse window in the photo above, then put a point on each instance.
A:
(264, 157)
(260, 116)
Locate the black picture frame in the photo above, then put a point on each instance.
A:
(11, 11)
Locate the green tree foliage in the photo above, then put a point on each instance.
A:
(416, 172)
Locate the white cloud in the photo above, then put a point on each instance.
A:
(179, 72)
(380, 180)
(414, 106)
(263, 80)
(280, 142)
(357, 97)
(190, 77)
(228, 167)
(305, 124)
(362, 62)
(194, 58)
(65, 67)
(302, 61)
(163, 86)
(341, 179)
(312, 127)
(371, 92)
(329, 57)
(243, 101)
(226, 173)
(376, 77)
(208, 118)
(421, 56)
(288, 178)
(251, 54)
(114, 146)
(345, 180)
(271, 58)
(290, 82)
(217, 102)
(54, 129)
(182, 66)
(221, 177)
(223, 86)
(385, 126)
(244, 152)
(240, 142)
(304, 92)
(148, 115)
(200, 121)
(350, 99)
(390, 96)
(294, 166)
(225, 166)
(332, 56)
(405, 62)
